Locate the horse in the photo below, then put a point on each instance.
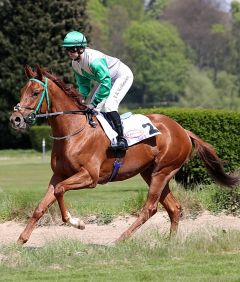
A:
(81, 157)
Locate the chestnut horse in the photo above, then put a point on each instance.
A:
(81, 157)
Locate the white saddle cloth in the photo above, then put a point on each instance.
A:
(135, 128)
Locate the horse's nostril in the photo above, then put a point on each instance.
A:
(17, 119)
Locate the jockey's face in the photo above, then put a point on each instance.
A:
(73, 56)
(74, 52)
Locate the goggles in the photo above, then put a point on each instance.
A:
(72, 49)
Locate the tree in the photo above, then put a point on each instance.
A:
(109, 19)
(235, 62)
(120, 14)
(205, 28)
(228, 91)
(118, 20)
(155, 8)
(200, 91)
(32, 33)
(157, 56)
(135, 8)
(98, 17)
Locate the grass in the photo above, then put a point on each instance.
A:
(24, 176)
(199, 257)
(212, 256)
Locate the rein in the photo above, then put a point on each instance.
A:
(67, 137)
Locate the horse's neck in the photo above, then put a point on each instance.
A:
(60, 102)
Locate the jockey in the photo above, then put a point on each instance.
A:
(114, 79)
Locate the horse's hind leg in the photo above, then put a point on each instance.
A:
(158, 182)
(172, 207)
(169, 202)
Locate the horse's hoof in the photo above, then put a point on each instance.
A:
(81, 225)
(75, 222)
(21, 241)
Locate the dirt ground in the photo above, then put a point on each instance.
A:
(107, 234)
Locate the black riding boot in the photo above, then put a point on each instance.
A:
(121, 141)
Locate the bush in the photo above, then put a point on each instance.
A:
(218, 127)
(227, 200)
(37, 133)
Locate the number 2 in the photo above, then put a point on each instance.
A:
(152, 130)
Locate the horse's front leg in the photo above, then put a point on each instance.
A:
(46, 202)
(80, 180)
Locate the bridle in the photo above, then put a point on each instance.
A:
(31, 118)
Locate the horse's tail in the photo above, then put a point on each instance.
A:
(212, 162)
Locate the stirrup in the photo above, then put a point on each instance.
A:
(121, 145)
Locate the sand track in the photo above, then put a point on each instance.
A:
(107, 234)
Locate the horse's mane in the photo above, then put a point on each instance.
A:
(68, 89)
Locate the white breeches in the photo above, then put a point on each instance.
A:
(120, 86)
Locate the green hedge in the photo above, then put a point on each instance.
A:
(218, 127)
(37, 133)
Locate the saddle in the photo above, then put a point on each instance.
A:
(136, 127)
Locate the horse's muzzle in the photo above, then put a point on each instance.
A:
(17, 121)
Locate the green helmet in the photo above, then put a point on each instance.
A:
(74, 38)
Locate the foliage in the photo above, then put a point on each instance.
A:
(157, 56)
(235, 6)
(32, 33)
(16, 206)
(97, 14)
(227, 201)
(10, 138)
(203, 91)
(137, 33)
(119, 16)
(134, 7)
(200, 91)
(228, 92)
(104, 218)
(214, 199)
(156, 8)
(118, 19)
(235, 65)
(218, 127)
(190, 200)
(135, 203)
(37, 134)
(198, 23)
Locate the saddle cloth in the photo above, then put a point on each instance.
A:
(135, 128)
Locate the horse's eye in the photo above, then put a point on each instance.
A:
(35, 93)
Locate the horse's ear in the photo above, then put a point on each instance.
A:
(39, 73)
(28, 71)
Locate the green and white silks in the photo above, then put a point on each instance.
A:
(114, 79)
